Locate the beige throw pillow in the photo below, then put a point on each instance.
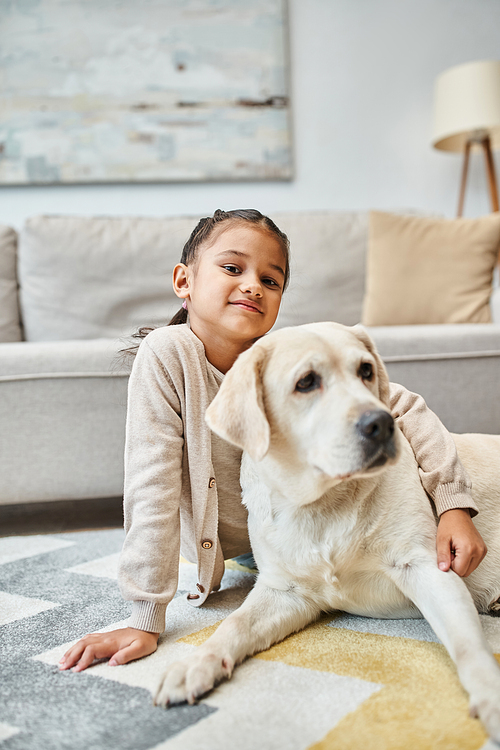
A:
(423, 270)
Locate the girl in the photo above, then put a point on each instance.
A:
(182, 489)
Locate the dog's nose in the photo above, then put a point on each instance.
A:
(376, 425)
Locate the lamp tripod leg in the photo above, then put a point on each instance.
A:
(465, 168)
(490, 170)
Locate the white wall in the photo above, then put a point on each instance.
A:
(362, 76)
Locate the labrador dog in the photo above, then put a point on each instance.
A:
(337, 516)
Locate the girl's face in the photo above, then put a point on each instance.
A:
(234, 289)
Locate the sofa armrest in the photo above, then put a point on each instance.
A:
(62, 411)
(460, 340)
(50, 358)
(454, 367)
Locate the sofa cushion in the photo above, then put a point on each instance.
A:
(92, 277)
(425, 270)
(328, 251)
(85, 278)
(10, 325)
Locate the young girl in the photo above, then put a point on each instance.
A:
(182, 491)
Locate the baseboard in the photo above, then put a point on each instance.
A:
(61, 516)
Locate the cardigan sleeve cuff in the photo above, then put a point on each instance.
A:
(148, 616)
(454, 495)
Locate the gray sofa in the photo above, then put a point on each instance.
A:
(72, 291)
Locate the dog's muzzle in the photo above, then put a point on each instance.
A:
(376, 429)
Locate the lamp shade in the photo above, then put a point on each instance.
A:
(467, 105)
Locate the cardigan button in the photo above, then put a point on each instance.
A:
(207, 544)
(193, 596)
(211, 483)
(200, 588)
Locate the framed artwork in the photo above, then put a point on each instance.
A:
(150, 91)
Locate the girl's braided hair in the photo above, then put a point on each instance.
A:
(201, 234)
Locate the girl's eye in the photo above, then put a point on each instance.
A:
(230, 268)
(270, 282)
(310, 382)
(365, 371)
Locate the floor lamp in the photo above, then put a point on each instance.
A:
(467, 117)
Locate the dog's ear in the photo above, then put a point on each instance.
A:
(237, 412)
(383, 378)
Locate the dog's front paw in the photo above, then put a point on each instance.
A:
(192, 677)
(487, 709)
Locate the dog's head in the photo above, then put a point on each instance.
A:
(313, 396)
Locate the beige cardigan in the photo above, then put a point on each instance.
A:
(170, 487)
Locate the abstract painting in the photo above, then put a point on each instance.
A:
(150, 91)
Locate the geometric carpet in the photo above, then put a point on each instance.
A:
(345, 682)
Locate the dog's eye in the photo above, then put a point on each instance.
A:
(365, 371)
(309, 382)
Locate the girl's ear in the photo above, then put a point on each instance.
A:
(181, 280)
(237, 412)
(382, 377)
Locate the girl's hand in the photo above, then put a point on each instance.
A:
(459, 544)
(119, 646)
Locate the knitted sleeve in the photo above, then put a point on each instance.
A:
(149, 563)
(441, 471)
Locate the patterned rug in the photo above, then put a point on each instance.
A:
(342, 683)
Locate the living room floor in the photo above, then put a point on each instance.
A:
(61, 516)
